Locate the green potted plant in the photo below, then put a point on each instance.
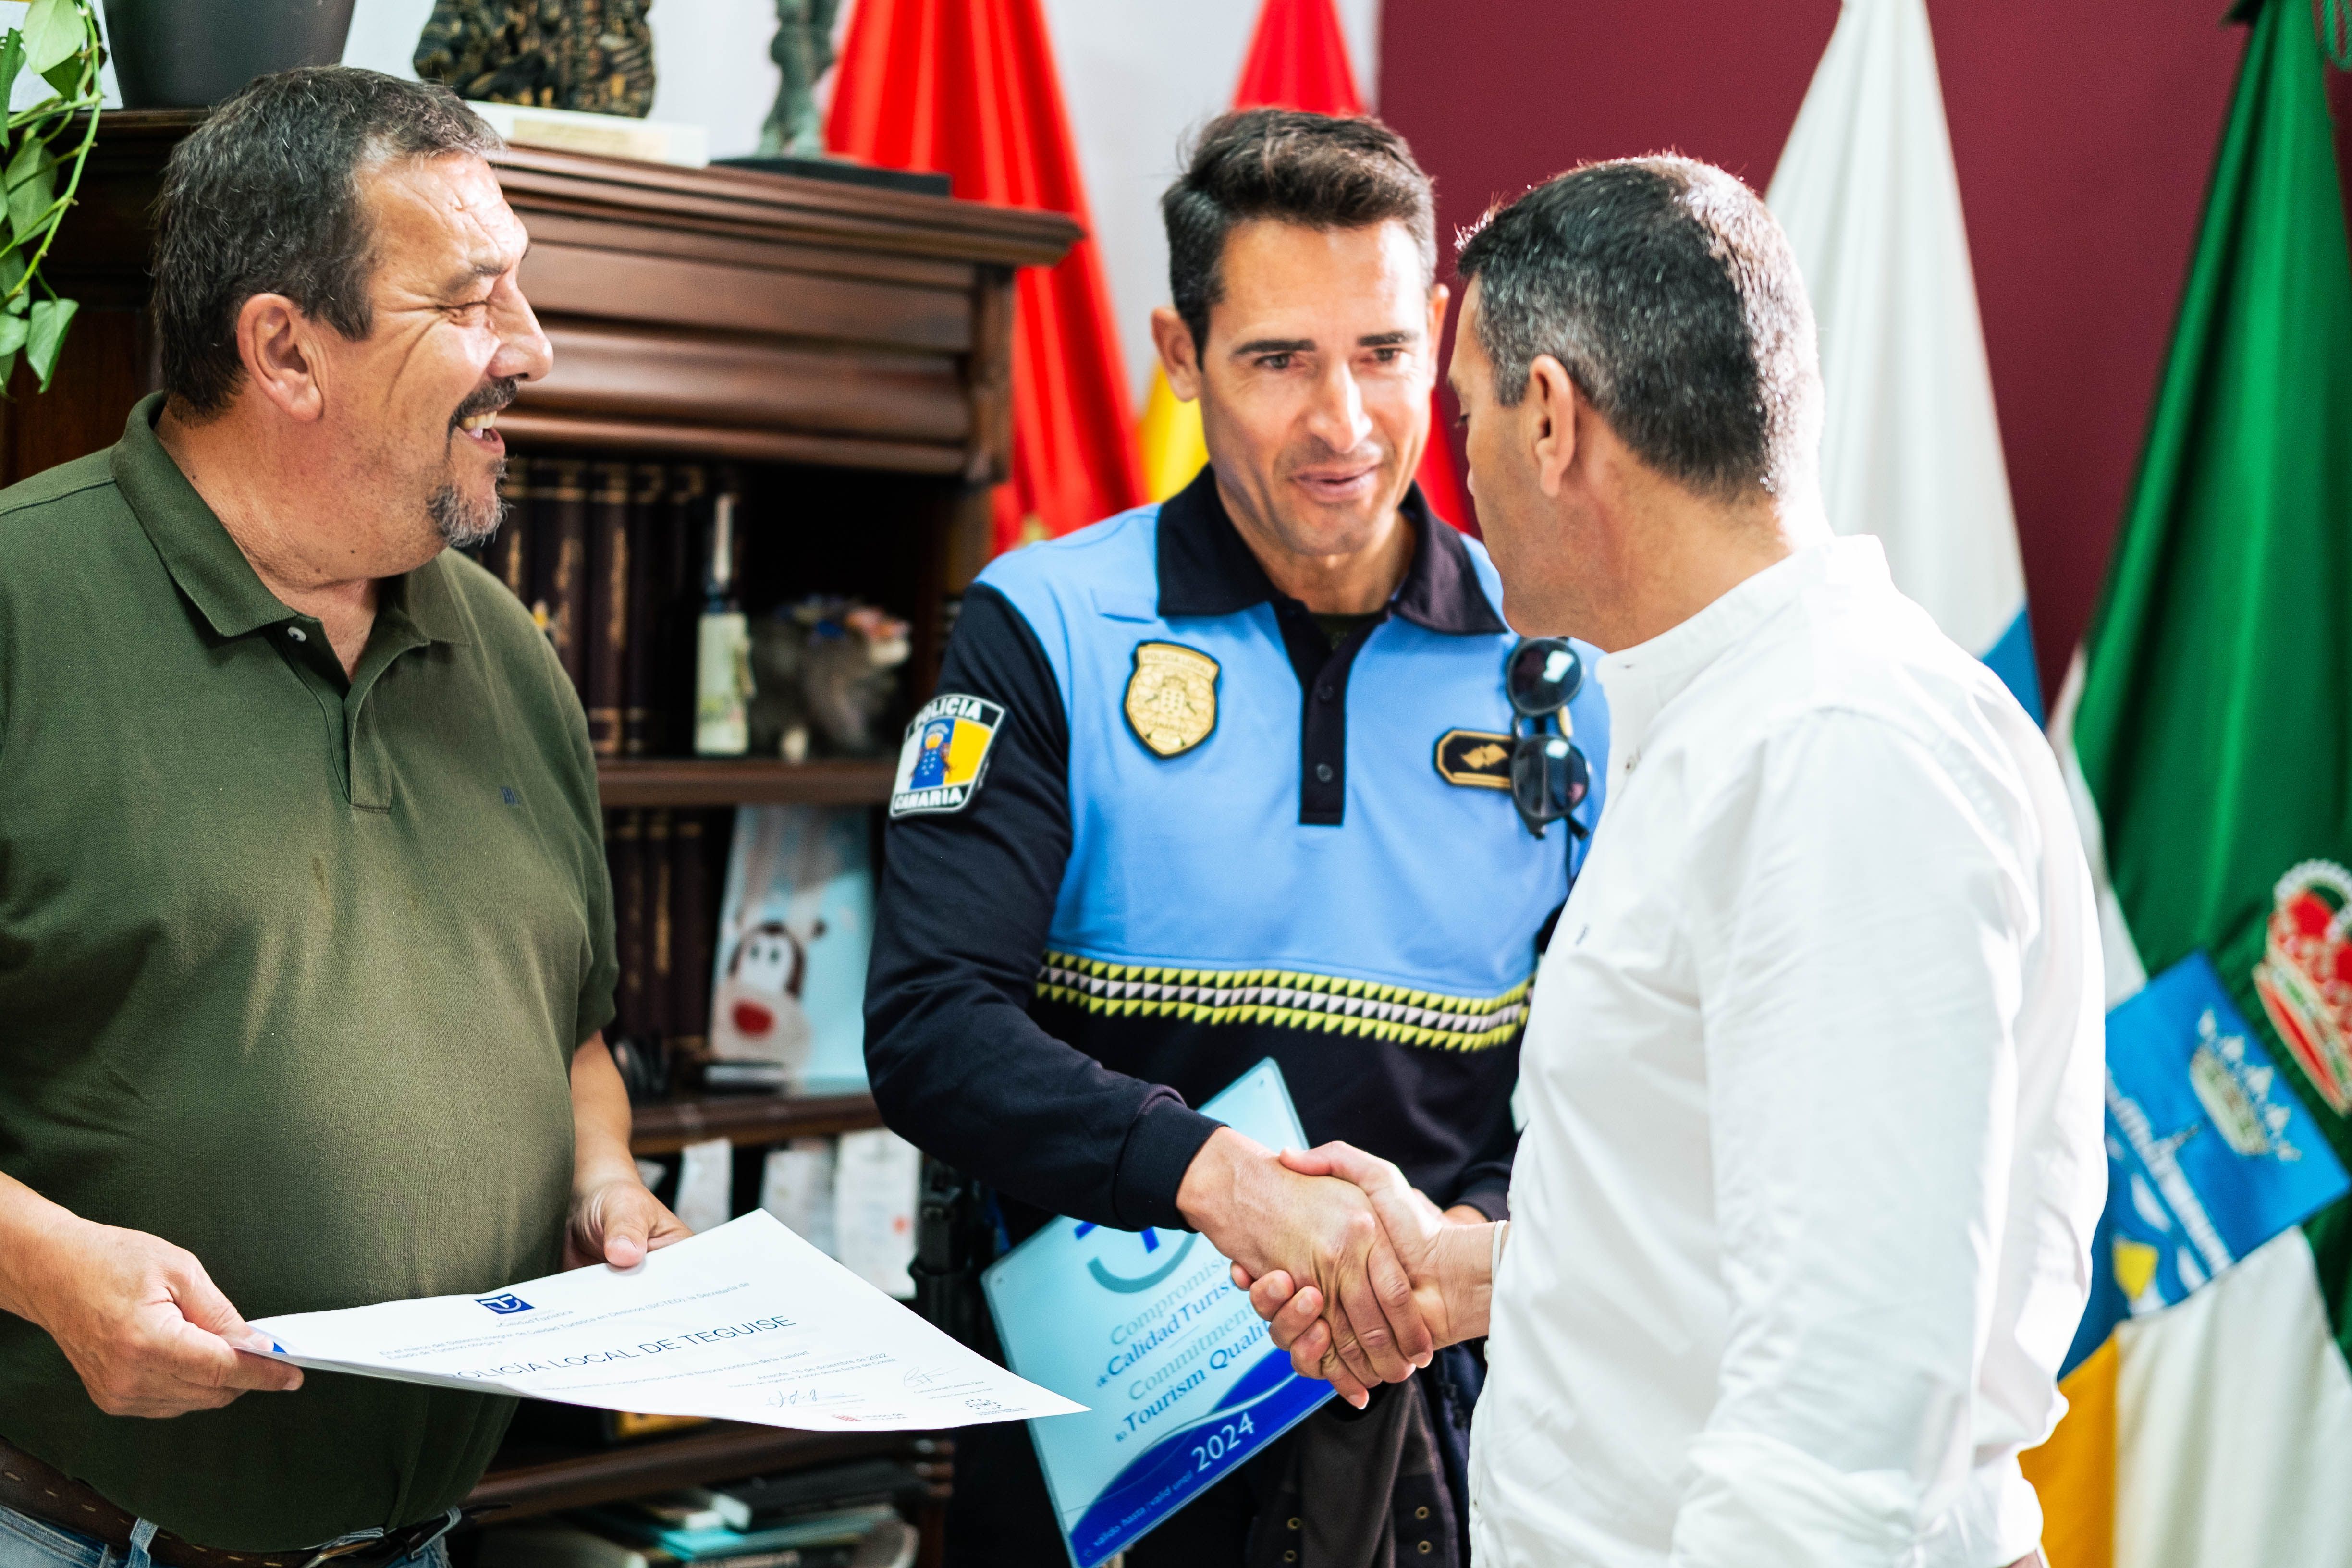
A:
(58, 44)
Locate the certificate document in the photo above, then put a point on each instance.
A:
(746, 1321)
(1183, 1381)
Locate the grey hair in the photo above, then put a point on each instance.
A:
(1666, 291)
(264, 198)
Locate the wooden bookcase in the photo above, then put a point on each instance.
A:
(850, 345)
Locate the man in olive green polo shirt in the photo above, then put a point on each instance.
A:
(306, 943)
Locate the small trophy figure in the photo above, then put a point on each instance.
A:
(802, 51)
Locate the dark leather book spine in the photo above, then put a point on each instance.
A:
(648, 506)
(661, 927)
(560, 559)
(681, 606)
(694, 927)
(628, 868)
(607, 639)
(507, 554)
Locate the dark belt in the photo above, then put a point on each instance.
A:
(41, 1492)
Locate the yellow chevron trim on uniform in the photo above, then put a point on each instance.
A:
(1288, 999)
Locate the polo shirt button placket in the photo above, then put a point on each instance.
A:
(297, 634)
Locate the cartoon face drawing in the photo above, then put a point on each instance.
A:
(757, 1014)
(931, 764)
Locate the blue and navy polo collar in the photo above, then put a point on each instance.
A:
(1206, 568)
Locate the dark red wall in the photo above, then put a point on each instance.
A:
(2082, 130)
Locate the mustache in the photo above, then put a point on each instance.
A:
(488, 398)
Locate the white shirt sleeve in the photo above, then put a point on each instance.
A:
(1861, 959)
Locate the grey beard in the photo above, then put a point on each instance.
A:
(461, 523)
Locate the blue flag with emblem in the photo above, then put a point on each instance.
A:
(2209, 1152)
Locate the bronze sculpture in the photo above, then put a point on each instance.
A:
(802, 51)
(593, 55)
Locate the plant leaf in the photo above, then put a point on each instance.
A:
(32, 180)
(12, 60)
(12, 338)
(12, 272)
(32, 157)
(53, 42)
(46, 336)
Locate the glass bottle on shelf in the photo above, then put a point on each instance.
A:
(722, 651)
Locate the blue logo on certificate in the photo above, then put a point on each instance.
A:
(504, 1304)
(1145, 1328)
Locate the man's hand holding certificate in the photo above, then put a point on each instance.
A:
(748, 1323)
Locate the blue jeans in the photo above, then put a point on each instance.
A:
(26, 1542)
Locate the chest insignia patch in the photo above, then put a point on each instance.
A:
(1475, 759)
(1172, 697)
(946, 751)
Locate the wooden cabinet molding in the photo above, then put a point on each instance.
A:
(713, 310)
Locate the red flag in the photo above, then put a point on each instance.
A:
(968, 88)
(1298, 59)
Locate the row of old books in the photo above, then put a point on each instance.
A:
(850, 1515)
(667, 868)
(610, 557)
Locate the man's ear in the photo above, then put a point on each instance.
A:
(1549, 406)
(1179, 355)
(278, 347)
(1438, 296)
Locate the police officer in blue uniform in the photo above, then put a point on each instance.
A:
(1258, 771)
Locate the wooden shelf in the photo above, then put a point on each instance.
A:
(729, 1452)
(557, 428)
(749, 1119)
(744, 781)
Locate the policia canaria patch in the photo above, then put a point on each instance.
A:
(945, 754)
(1172, 697)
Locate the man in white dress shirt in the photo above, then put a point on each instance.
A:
(1801, 1214)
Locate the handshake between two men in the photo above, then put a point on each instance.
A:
(1361, 1277)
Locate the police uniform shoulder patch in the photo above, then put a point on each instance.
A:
(1475, 759)
(945, 754)
(1172, 697)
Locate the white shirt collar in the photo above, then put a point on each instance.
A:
(1641, 679)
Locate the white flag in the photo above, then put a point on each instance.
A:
(1910, 449)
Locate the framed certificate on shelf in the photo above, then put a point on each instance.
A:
(1145, 1327)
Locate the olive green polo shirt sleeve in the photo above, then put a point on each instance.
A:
(291, 971)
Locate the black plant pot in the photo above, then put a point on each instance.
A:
(191, 53)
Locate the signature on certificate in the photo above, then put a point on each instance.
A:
(920, 1376)
(806, 1395)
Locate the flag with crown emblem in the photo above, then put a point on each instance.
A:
(2206, 730)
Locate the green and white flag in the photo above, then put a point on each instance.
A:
(2207, 731)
